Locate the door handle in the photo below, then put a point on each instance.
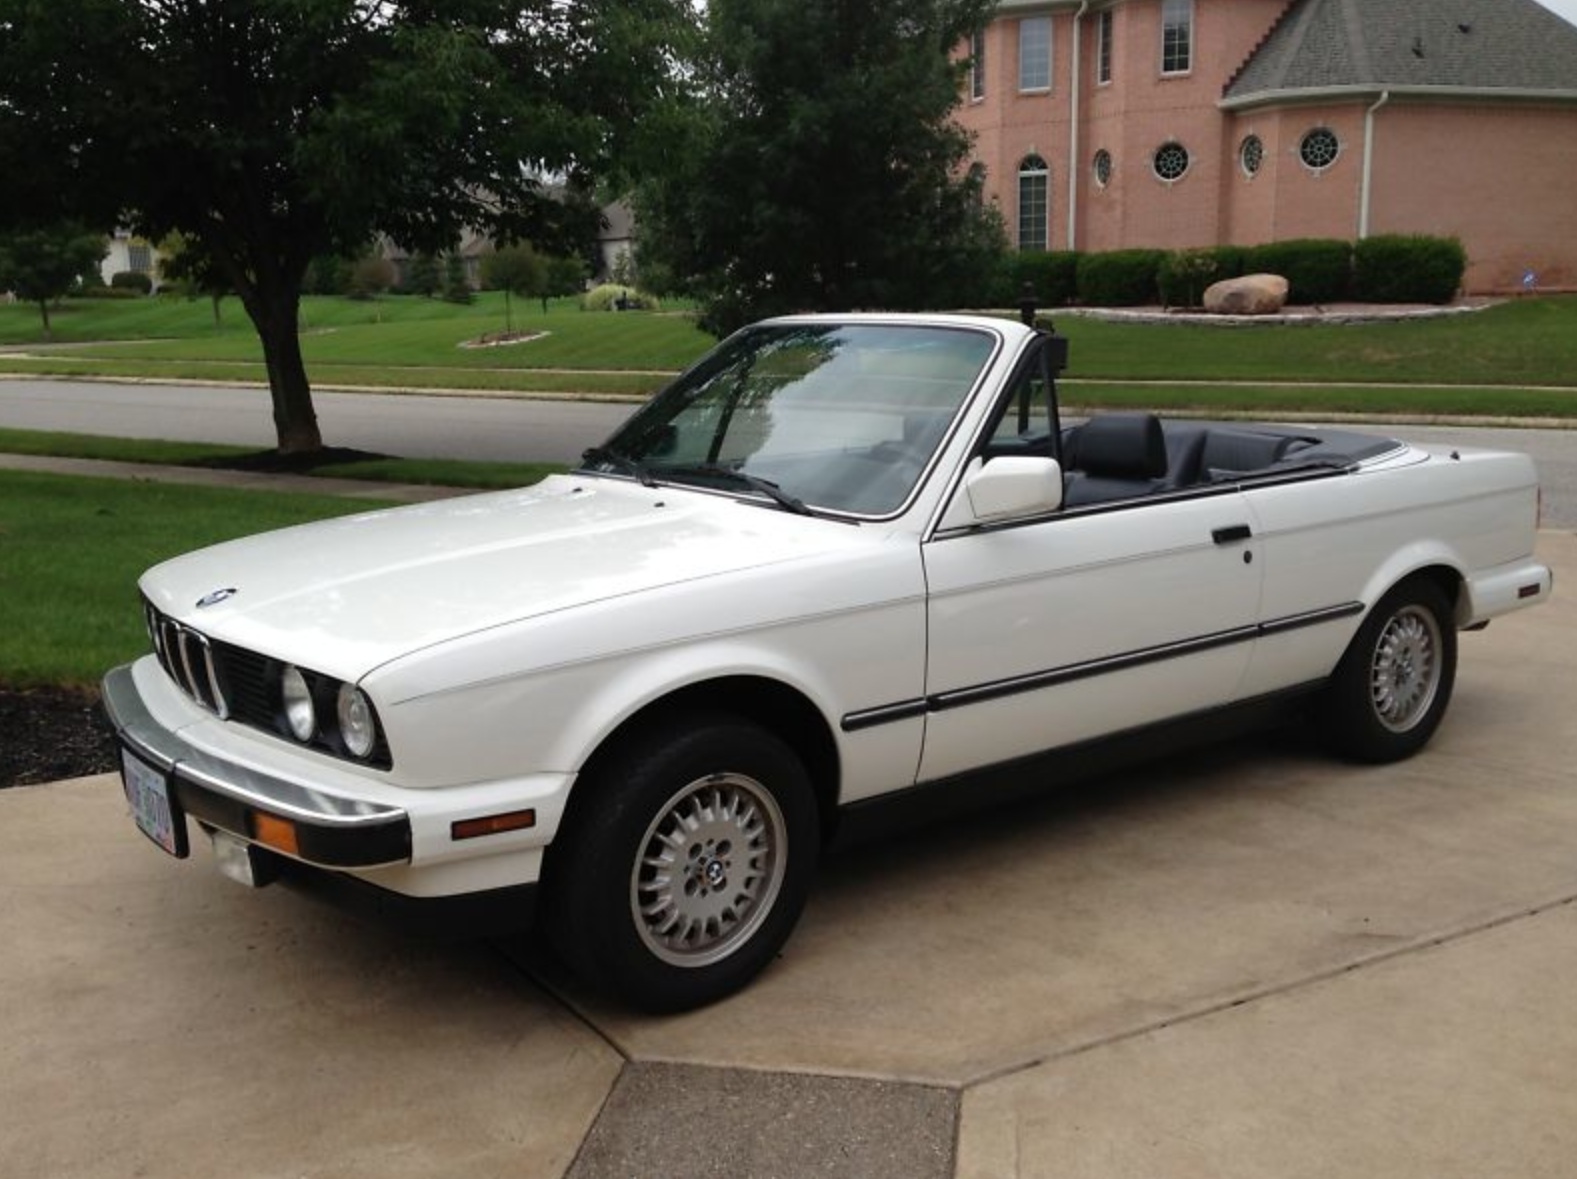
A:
(1231, 533)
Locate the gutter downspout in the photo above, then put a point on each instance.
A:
(1073, 130)
(1368, 164)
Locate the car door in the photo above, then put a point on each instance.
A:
(1082, 622)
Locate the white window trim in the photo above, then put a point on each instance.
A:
(1321, 169)
(1192, 39)
(1188, 165)
(1043, 174)
(1051, 56)
(1242, 160)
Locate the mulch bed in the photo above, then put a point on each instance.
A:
(47, 734)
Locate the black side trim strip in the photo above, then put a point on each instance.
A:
(944, 798)
(1034, 681)
(1311, 618)
(871, 717)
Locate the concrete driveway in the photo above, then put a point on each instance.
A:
(1251, 962)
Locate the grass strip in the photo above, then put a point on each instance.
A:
(599, 384)
(71, 550)
(430, 472)
(1267, 401)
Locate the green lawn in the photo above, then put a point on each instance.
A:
(1516, 359)
(1524, 343)
(396, 341)
(1417, 403)
(71, 551)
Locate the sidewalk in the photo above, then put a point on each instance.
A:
(1252, 963)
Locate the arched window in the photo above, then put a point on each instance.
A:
(1034, 209)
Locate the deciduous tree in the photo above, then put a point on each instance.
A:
(273, 131)
(818, 166)
(40, 265)
(515, 270)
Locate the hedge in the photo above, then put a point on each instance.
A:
(1052, 275)
(1398, 268)
(606, 298)
(131, 280)
(1318, 270)
(1120, 278)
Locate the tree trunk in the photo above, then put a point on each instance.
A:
(276, 315)
(43, 309)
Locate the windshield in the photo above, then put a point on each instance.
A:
(836, 417)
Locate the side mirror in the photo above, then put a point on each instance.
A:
(1011, 486)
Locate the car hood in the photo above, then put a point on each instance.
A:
(344, 596)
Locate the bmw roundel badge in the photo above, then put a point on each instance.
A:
(217, 596)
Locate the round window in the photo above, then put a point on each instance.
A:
(1319, 148)
(1251, 154)
(1171, 161)
(1103, 167)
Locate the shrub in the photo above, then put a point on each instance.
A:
(606, 298)
(457, 285)
(132, 280)
(1318, 270)
(103, 292)
(1120, 278)
(1184, 274)
(326, 275)
(1398, 268)
(370, 276)
(1053, 276)
(421, 276)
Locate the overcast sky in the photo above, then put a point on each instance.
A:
(1567, 8)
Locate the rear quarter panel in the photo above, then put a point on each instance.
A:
(1348, 539)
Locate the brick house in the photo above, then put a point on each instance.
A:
(1104, 124)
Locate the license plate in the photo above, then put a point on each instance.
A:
(157, 814)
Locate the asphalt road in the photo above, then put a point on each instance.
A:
(513, 429)
(500, 429)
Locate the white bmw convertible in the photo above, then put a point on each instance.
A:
(841, 566)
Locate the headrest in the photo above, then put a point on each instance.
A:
(1123, 446)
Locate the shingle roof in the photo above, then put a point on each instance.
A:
(1479, 45)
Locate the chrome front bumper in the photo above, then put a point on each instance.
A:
(329, 831)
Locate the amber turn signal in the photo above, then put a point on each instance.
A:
(274, 832)
(492, 824)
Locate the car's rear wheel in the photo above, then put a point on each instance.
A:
(1394, 682)
(685, 863)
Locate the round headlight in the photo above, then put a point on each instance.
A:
(300, 713)
(357, 728)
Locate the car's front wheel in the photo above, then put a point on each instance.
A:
(1391, 689)
(684, 864)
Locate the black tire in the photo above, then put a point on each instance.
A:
(727, 808)
(1390, 691)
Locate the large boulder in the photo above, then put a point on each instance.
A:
(1253, 294)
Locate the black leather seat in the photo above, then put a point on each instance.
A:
(1116, 456)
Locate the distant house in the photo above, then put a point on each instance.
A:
(616, 239)
(1104, 124)
(126, 252)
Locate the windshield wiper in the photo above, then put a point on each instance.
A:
(619, 461)
(743, 479)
